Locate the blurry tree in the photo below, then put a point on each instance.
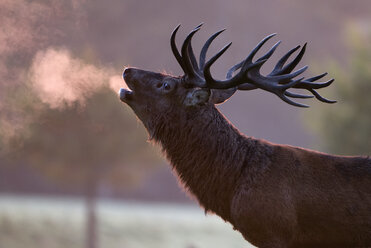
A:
(82, 145)
(347, 130)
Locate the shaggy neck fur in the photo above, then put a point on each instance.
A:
(208, 154)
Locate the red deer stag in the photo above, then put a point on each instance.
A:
(275, 195)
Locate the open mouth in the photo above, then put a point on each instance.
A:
(126, 94)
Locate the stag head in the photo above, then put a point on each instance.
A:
(153, 94)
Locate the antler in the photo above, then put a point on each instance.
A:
(248, 77)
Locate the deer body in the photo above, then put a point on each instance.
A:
(275, 195)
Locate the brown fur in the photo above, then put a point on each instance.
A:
(275, 195)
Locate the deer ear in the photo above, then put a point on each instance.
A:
(220, 96)
(197, 97)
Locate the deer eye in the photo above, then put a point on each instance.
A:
(166, 86)
(159, 85)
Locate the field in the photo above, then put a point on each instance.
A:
(56, 223)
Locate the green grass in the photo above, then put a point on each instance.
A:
(56, 223)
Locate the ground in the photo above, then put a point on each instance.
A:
(53, 223)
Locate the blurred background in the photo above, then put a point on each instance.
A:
(76, 169)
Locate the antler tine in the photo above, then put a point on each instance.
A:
(321, 98)
(249, 58)
(305, 84)
(192, 56)
(206, 47)
(290, 66)
(315, 78)
(284, 77)
(233, 69)
(187, 58)
(193, 60)
(174, 48)
(280, 69)
(291, 102)
(282, 61)
(270, 52)
(295, 95)
(199, 25)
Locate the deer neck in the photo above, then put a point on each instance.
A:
(207, 153)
